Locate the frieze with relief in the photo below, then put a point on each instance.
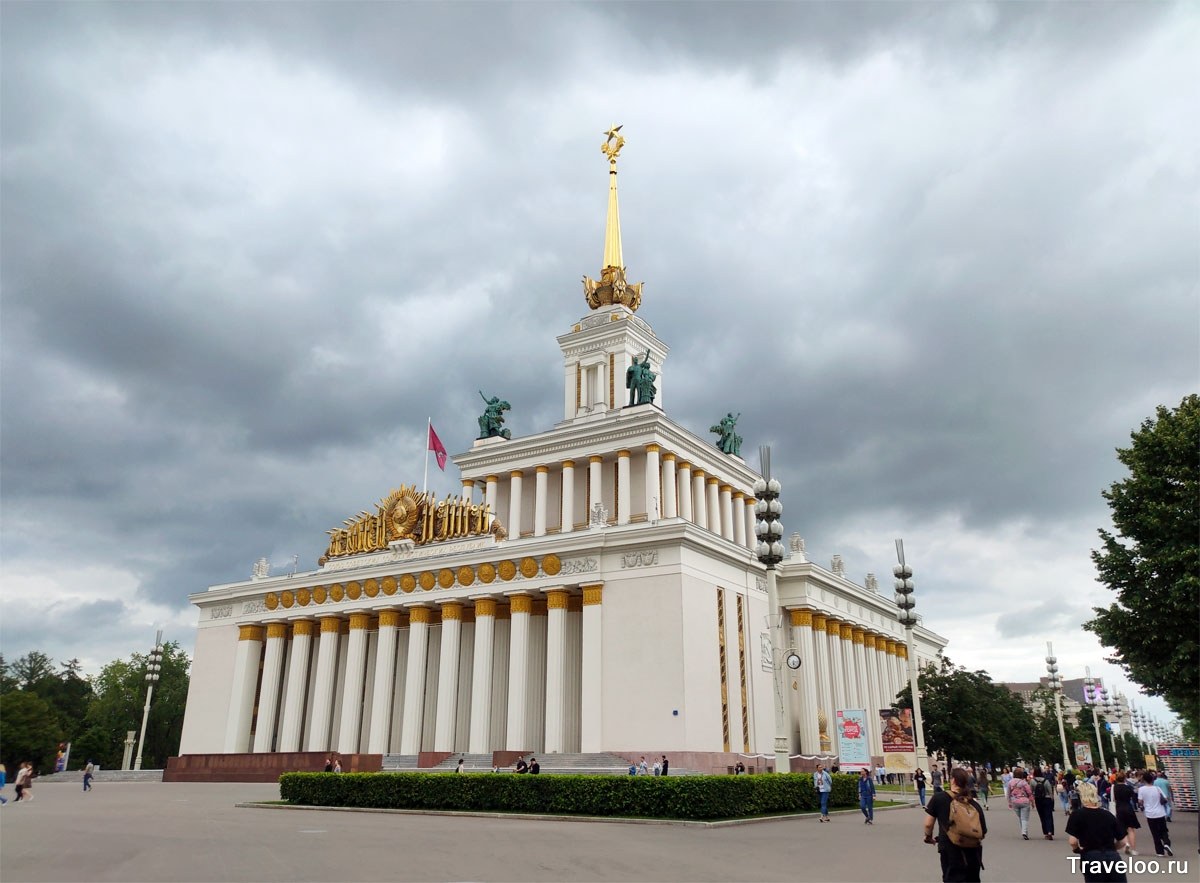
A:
(639, 559)
(580, 565)
(259, 606)
(223, 612)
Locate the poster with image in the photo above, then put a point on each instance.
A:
(854, 748)
(1083, 754)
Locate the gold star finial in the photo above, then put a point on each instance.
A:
(613, 143)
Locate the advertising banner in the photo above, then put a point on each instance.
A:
(854, 748)
(899, 743)
(1083, 754)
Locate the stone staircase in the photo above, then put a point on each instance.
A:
(563, 764)
(401, 762)
(104, 776)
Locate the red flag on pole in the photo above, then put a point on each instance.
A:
(439, 449)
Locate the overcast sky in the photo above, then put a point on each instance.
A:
(943, 258)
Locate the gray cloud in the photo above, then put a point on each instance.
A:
(941, 257)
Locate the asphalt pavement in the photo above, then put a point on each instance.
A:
(134, 832)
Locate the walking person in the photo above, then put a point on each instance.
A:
(919, 781)
(823, 782)
(1043, 801)
(666, 765)
(935, 778)
(1125, 800)
(961, 829)
(983, 785)
(1096, 835)
(866, 796)
(88, 772)
(3, 782)
(1161, 783)
(1020, 799)
(24, 783)
(1155, 809)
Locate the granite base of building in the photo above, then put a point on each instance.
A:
(260, 767)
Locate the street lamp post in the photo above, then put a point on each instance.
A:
(153, 667)
(1055, 684)
(1110, 708)
(1090, 694)
(906, 603)
(769, 530)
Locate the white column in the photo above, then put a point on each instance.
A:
(322, 702)
(727, 528)
(595, 492)
(556, 659)
(851, 666)
(670, 502)
(699, 507)
(541, 479)
(838, 664)
(514, 504)
(592, 700)
(872, 682)
(481, 676)
(623, 506)
(802, 635)
(447, 692)
(268, 697)
(821, 671)
(713, 505)
(414, 680)
(568, 497)
(245, 678)
(491, 491)
(352, 689)
(384, 686)
(521, 606)
(468, 488)
(686, 511)
(737, 514)
(297, 681)
(751, 539)
(654, 493)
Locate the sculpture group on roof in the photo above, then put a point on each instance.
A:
(491, 421)
(639, 380)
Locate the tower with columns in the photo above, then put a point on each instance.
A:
(622, 612)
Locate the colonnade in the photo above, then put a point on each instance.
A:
(843, 666)
(668, 488)
(514, 672)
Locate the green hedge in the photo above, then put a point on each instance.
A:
(665, 797)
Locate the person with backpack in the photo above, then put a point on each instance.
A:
(961, 830)
(1043, 801)
(1020, 799)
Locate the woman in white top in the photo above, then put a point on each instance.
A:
(1150, 799)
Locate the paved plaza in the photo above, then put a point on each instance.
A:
(133, 832)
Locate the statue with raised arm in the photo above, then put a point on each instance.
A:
(491, 421)
(729, 442)
(639, 380)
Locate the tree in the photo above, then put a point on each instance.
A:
(969, 718)
(29, 730)
(1152, 562)
(32, 668)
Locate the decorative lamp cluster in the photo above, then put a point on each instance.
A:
(904, 595)
(768, 528)
(154, 664)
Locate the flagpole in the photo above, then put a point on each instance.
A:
(428, 429)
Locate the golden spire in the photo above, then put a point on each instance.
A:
(612, 287)
(612, 228)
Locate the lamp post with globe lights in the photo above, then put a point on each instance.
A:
(1091, 695)
(1054, 682)
(769, 531)
(906, 604)
(1109, 707)
(153, 668)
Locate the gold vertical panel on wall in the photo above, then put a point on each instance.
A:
(578, 384)
(612, 395)
(616, 488)
(742, 673)
(724, 669)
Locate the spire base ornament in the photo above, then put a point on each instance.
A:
(613, 288)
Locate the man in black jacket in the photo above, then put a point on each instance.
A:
(959, 864)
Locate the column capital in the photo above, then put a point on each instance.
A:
(685, 465)
(712, 479)
(667, 455)
(492, 478)
(277, 630)
(858, 635)
(623, 454)
(330, 624)
(847, 632)
(738, 495)
(833, 627)
(801, 617)
(593, 594)
(419, 614)
(568, 464)
(485, 607)
(452, 610)
(303, 628)
(250, 632)
(727, 489)
(556, 599)
(516, 473)
(652, 448)
(360, 621)
(697, 472)
(542, 470)
(468, 482)
(819, 620)
(902, 650)
(595, 458)
(389, 619)
(520, 603)
(869, 641)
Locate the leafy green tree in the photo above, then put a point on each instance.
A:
(117, 705)
(1152, 562)
(969, 718)
(29, 730)
(8, 681)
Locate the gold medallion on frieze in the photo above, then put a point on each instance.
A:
(507, 570)
(320, 593)
(287, 599)
(551, 565)
(371, 588)
(337, 592)
(529, 568)
(302, 597)
(445, 577)
(272, 601)
(353, 591)
(427, 581)
(487, 573)
(466, 576)
(408, 582)
(388, 584)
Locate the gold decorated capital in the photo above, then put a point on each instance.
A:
(819, 620)
(556, 599)
(801, 617)
(452, 611)
(847, 632)
(593, 595)
(485, 607)
(833, 627)
(521, 604)
(858, 635)
(389, 619)
(419, 614)
(250, 632)
(277, 630)
(869, 642)
(902, 650)
(360, 622)
(330, 625)
(302, 628)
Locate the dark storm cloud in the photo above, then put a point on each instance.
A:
(941, 257)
